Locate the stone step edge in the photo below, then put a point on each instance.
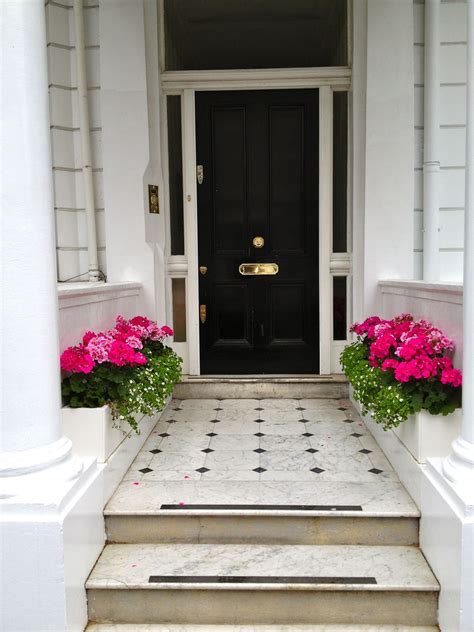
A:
(268, 513)
(158, 627)
(257, 379)
(290, 587)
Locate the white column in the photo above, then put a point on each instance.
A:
(459, 466)
(431, 160)
(30, 438)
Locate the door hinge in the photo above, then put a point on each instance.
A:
(200, 174)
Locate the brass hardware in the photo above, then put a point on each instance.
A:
(254, 269)
(258, 242)
(153, 199)
(203, 313)
(188, 197)
(203, 270)
(200, 174)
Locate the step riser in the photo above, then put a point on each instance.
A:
(263, 607)
(261, 530)
(264, 390)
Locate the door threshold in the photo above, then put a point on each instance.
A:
(268, 378)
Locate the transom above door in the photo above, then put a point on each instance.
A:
(257, 155)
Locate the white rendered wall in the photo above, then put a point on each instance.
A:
(452, 136)
(93, 307)
(71, 233)
(383, 93)
(130, 147)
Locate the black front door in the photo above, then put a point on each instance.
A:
(259, 156)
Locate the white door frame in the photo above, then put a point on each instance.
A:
(186, 84)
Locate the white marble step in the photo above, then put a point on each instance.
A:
(273, 512)
(283, 584)
(152, 627)
(276, 386)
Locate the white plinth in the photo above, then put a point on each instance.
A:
(426, 435)
(93, 432)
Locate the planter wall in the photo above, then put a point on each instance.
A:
(93, 432)
(426, 435)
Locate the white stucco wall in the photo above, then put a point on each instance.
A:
(452, 135)
(71, 233)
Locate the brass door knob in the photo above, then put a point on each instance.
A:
(258, 242)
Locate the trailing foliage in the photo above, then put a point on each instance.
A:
(133, 383)
(399, 367)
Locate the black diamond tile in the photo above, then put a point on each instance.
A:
(171, 421)
(301, 408)
(217, 409)
(258, 408)
(356, 434)
(302, 421)
(156, 451)
(163, 434)
(316, 470)
(207, 450)
(176, 409)
(365, 451)
(259, 450)
(145, 470)
(202, 470)
(259, 434)
(259, 421)
(347, 421)
(211, 434)
(215, 421)
(307, 434)
(259, 469)
(342, 408)
(312, 450)
(374, 470)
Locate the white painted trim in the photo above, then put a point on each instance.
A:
(325, 227)
(191, 228)
(338, 77)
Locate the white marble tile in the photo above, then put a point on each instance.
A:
(394, 567)
(239, 404)
(184, 443)
(290, 475)
(194, 415)
(158, 476)
(281, 428)
(326, 415)
(235, 427)
(279, 404)
(285, 442)
(288, 461)
(199, 404)
(274, 415)
(177, 461)
(234, 442)
(319, 403)
(238, 416)
(190, 428)
(232, 460)
(230, 475)
(331, 429)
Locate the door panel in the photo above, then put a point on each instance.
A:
(259, 151)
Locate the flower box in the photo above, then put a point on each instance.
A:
(93, 432)
(425, 435)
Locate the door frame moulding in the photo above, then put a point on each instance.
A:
(186, 84)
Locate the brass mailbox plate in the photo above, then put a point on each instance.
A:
(254, 269)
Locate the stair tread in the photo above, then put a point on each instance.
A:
(395, 568)
(379, 499)
(157, 627)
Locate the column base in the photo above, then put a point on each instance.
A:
(458, 467)
(39, 471)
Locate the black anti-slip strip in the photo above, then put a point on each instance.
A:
(244, 579)
(268, 507)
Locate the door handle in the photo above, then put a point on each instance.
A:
(202, 313)
(257, 269)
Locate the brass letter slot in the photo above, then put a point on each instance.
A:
(254, 269)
